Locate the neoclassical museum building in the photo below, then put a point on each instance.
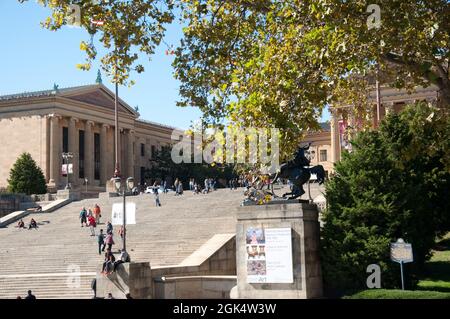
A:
(79, 120)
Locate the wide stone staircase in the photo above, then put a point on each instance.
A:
(59, 259)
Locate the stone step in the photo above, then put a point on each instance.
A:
(163, 236)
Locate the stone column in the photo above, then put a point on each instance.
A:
(73, 148)
(389, 108)
(103, 154)
(89, 152)
(55, 150)
(130, 155)
(335, 144)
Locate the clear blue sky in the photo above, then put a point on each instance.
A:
(34, 58)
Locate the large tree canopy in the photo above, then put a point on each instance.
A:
(274, 62)
(279, 62)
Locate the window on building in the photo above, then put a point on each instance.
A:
(96, 156)
(142, 149)
(81, 153)
(153, 152)
(65, 135)
(323, 155)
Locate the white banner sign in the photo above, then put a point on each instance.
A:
(66, 168)
(117, 214)
(269, 255)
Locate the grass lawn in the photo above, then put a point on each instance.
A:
(437, 276)
(398, 294)
(435, 283)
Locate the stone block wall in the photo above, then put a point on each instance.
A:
(27, 134)
(222, 262)
(195, 287)
(132, 278)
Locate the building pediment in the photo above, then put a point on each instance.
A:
(98, 96)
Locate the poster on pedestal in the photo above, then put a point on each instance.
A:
(269, 255)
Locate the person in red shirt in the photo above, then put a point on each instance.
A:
(92, 224)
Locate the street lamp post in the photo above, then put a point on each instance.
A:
(128, 186)
(116, 133)
(66, 157)
(116, 121)
(86, 183)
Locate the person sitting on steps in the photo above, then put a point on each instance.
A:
(33, 224)
(108, 264)
(124, 258)
(21, 224)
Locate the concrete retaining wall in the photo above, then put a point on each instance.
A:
(209, 273)
(12, 217)
(132, 278)
(14, 202)
(194, 287)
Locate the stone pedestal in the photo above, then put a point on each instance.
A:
(133, 278)
(110, 187)
(110, 190)
(302, 220)
(68, 194)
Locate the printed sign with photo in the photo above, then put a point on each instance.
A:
(269, 255)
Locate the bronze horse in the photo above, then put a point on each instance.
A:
(298, 172)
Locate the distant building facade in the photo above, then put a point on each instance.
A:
(79, 120)
(334, 137)
(344, 122)
(320, 149)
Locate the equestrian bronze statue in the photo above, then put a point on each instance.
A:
(298, 171)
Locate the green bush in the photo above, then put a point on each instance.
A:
(395, 183)
(26, 177)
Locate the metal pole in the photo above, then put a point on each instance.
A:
(309, 192)
(124, 220)
(401, 272)
(377, 83)
(67, 173)
(116, 123)
(66, 163)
